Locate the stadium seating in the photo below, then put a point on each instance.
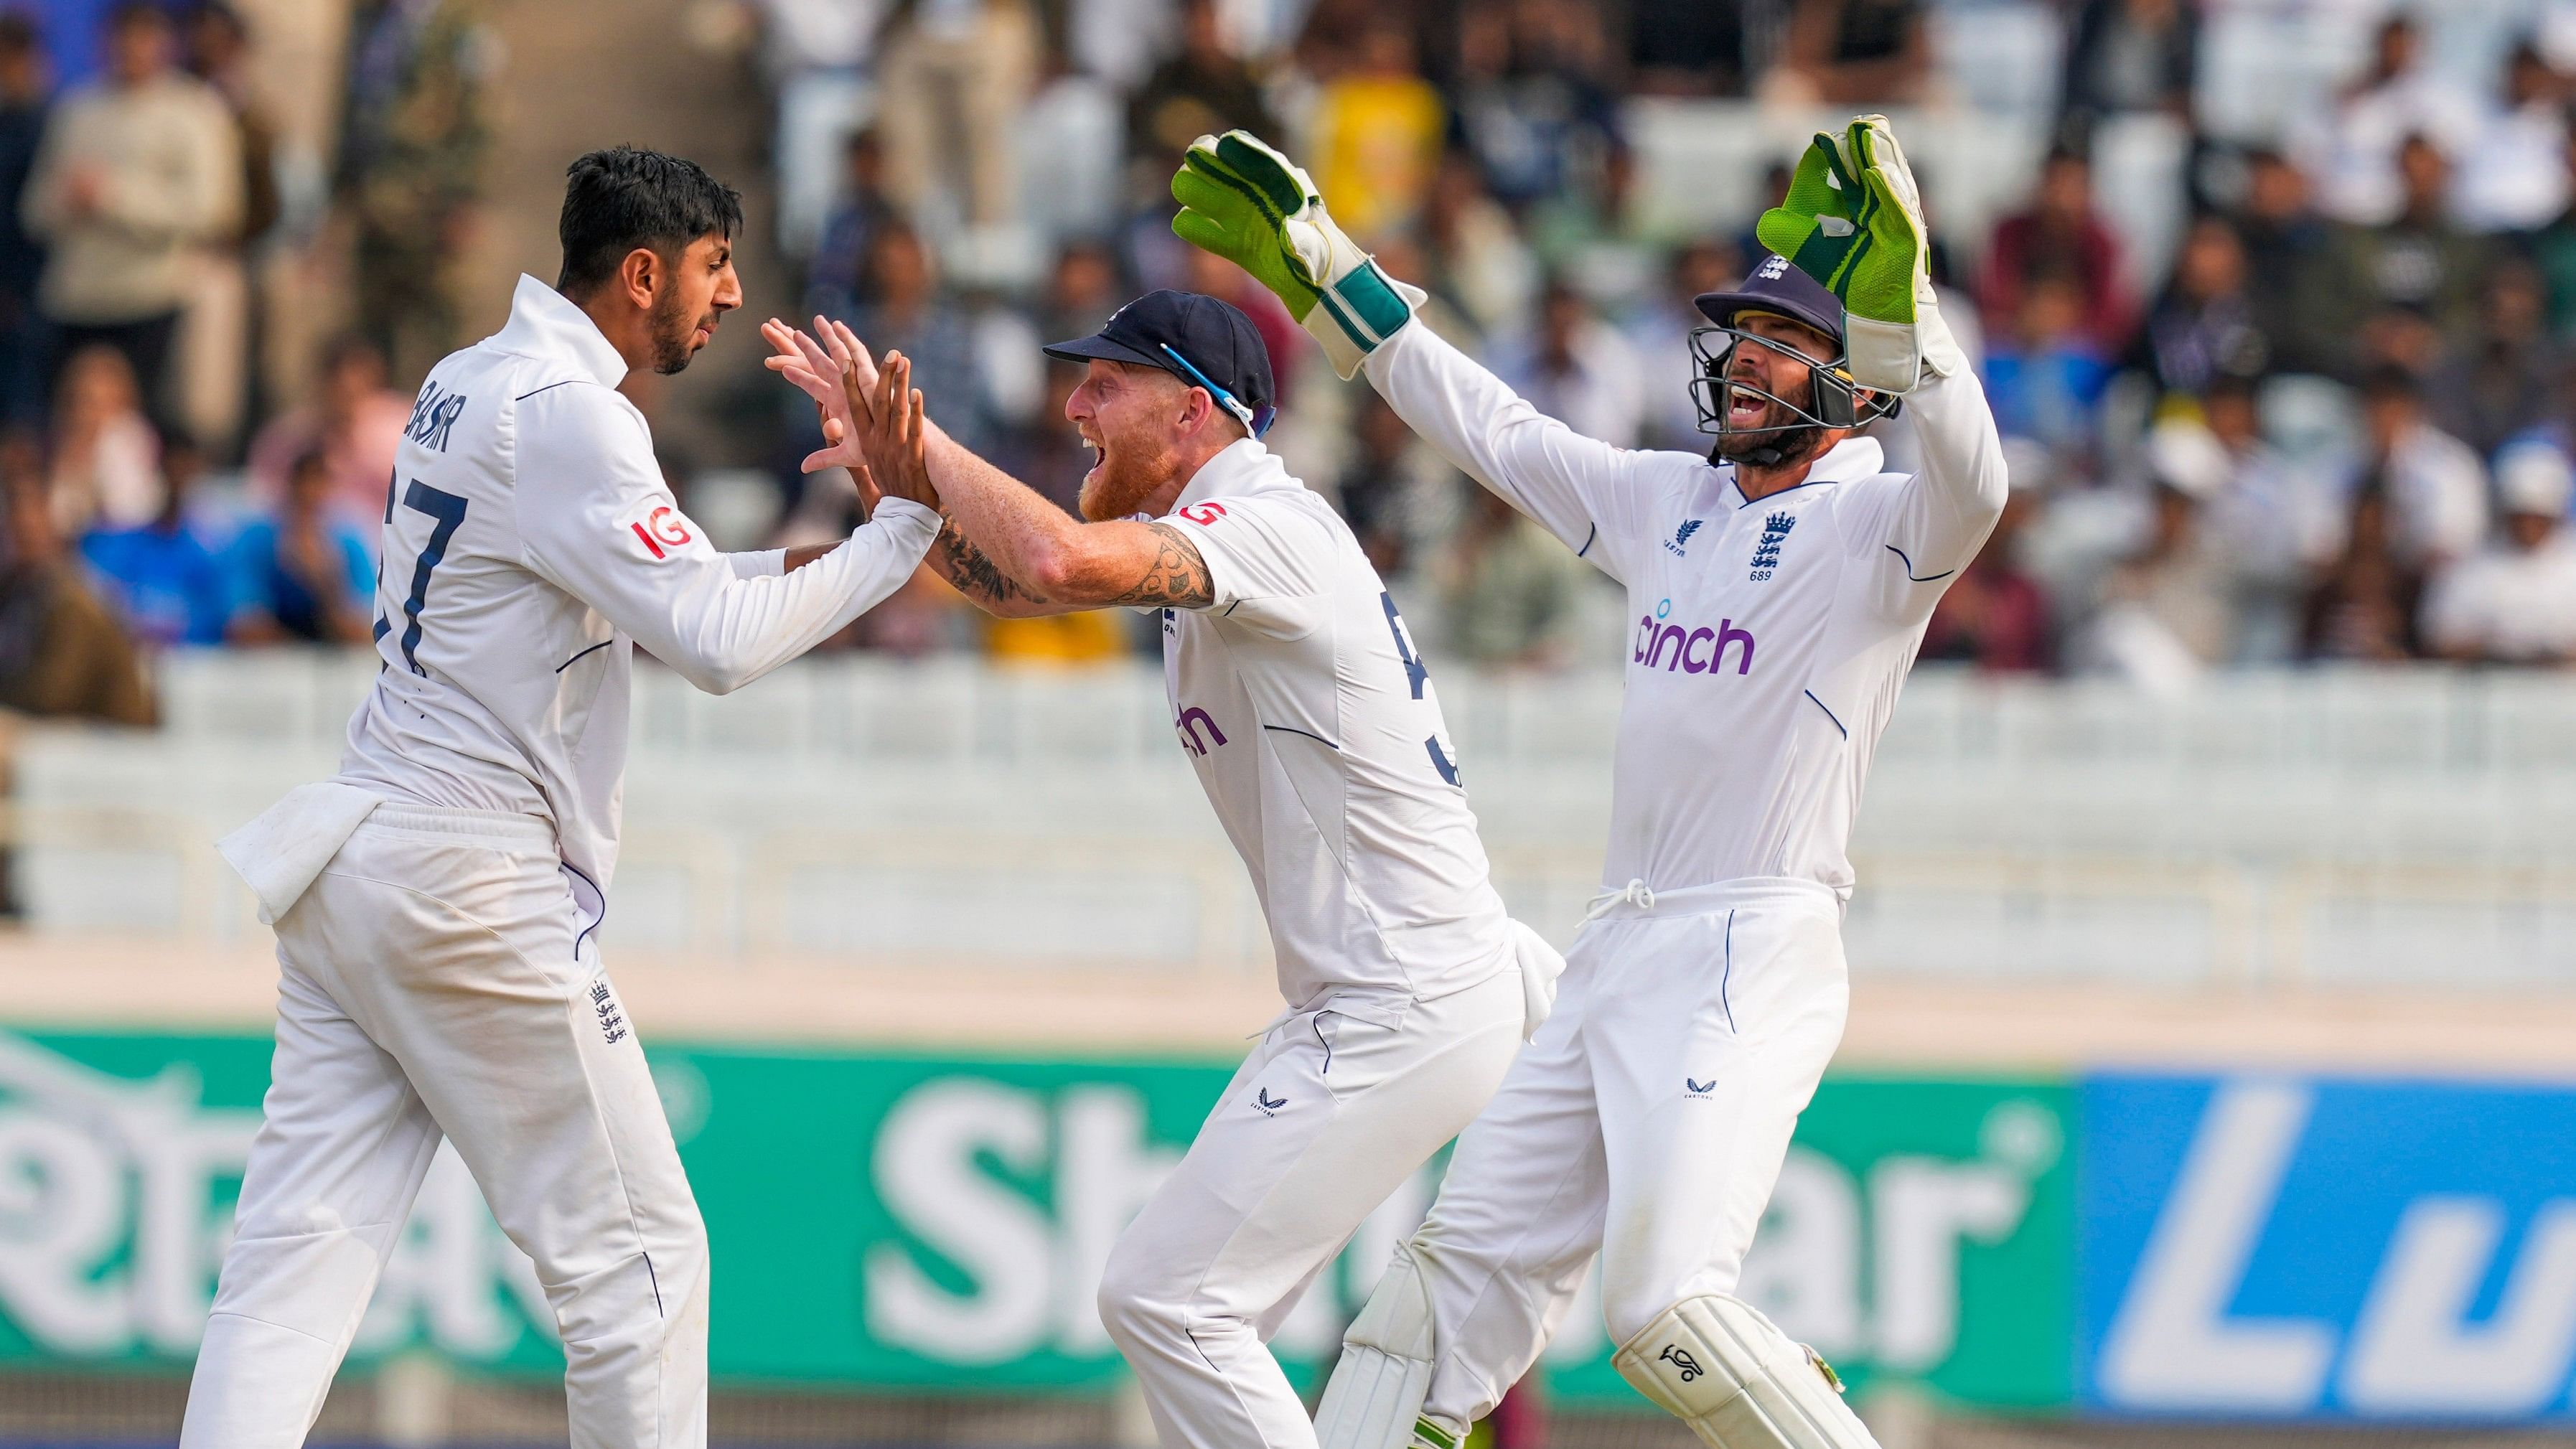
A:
(2321, 827)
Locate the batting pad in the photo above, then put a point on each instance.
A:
(1718, 1365)
(1374, 1400)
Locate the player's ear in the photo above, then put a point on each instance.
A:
(639, 274)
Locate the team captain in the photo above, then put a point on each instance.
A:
(1780, 589)
(1312, 723)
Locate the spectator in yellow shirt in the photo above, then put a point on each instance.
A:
(1377, 133)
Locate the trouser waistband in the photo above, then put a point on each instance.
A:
(494, 825)
(1636, 899)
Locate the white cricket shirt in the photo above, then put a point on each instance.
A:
(1767, 639)
(1310, 717)
(2508, 602)
(529, 544)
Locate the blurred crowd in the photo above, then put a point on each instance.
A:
(2337, 429)
(2304, 392)
(185, 462)
(2325, 417)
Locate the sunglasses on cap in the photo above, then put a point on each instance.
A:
(1255, 421)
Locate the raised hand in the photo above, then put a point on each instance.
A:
(1853, 220)
(823, 371)
(891, 431)
(1247, 203)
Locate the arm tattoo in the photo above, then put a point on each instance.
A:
(974, 572)
(1178, 576)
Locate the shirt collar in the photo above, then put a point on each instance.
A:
(1242, 466)
(1848, 461)
(544, 323)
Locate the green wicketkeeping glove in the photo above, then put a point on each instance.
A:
(1853, 220)
(1257, 209)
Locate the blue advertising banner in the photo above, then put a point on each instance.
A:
(2277, 1247)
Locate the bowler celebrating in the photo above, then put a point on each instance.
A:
(1301, 701)
(1779, 589)
(437, 901)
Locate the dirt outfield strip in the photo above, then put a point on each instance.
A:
(99, 982)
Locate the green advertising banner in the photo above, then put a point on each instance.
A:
(933, 1223)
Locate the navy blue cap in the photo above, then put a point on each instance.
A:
(1201, 340)
(1778, 285)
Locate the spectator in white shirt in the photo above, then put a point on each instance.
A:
(2167, 610)
(1661, 331)
(2279, 522)
(2514, 603)
(106, 470)
(2435, 485)
(2352, 150)
(1578, 370)
(817, 54)
(2514, 177)
(135, 170)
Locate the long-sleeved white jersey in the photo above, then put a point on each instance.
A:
(1769, 638)
(529, 544)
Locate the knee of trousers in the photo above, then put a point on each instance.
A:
(1140, 1305)
(313, 1283)
(660, 1293)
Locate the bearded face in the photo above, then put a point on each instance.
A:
(674, 328)
(1774, 358)
(695, 293)
(1751, 419)
(1127, 417)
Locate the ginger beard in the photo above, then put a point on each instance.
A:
(1130, 431)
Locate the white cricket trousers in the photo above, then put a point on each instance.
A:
(436, 980)
(1646, 1123)
(1328, 1116)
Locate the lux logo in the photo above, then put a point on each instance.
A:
(2458, 1317)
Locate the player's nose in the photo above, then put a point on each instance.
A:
(728, 289)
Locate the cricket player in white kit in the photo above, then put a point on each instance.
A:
(1311, 720)
(436, 902)
(1779, 589)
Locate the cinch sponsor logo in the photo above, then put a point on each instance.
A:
(1189, 725)
(1691, 650)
